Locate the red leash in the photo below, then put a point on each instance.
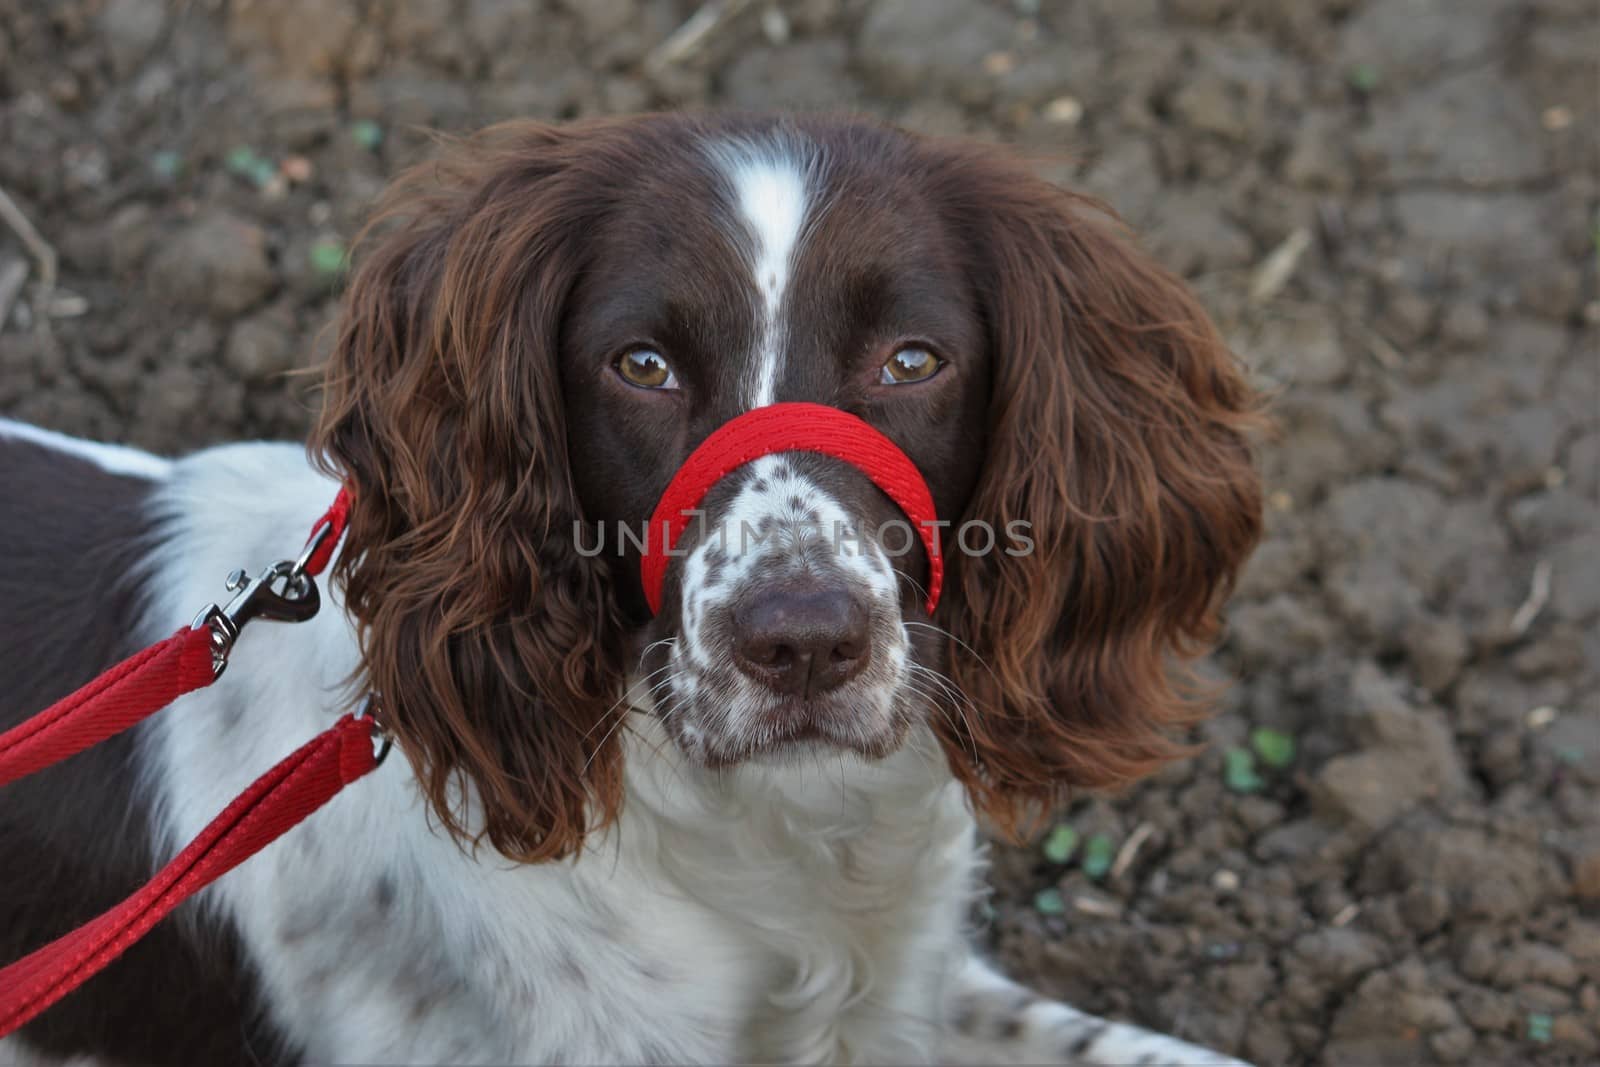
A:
(130, 692)
(119, 698)
(272, 805)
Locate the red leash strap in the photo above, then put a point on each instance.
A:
(325, 535)
(278, 800)
(126, 694)
(190, 659)
(137, 688)
(789, 428)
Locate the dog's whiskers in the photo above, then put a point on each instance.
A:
(942, 632)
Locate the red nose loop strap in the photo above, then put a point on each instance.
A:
(789, 428)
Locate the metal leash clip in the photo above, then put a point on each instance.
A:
(382, 740)
(256, 598)
(285, 593)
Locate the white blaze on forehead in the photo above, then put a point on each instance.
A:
(769, 187)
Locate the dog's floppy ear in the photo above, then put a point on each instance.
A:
(493, 644)
(1117, 435)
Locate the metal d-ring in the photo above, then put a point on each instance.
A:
(382, 740)
(323, 531)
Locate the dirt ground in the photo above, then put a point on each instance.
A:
(1391, 850)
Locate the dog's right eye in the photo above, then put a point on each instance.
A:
(910, 364)
(647, 369)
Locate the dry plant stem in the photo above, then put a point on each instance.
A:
(690, 37)
(1538, 597)
(1130, 848)
(43, 254)
(1279, 266)
(13, 273)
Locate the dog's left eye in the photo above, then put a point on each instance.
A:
(910, 364)
(647, 369)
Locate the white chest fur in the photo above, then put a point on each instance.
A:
(807, 913)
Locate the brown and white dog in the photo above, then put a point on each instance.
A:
(739, 830)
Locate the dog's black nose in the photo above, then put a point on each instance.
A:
(801, 641)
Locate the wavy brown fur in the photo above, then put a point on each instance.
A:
(1118, 432)
(493, 644)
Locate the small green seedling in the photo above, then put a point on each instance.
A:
(240, 159)
(1239, 771)
(1049, 902)
(1364, 77)
(246, 163)
(167, 164)
(366, 133)
(1098, 855)
(1061, 844)
(1275, 747)
(327, 256)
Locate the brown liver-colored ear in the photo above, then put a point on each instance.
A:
(1118, 434)
(495, 646)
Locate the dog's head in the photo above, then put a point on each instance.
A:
(550, 319)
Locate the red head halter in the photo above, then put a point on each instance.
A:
(789, 428)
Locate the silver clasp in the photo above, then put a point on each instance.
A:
(285, 593)
(382, 740)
